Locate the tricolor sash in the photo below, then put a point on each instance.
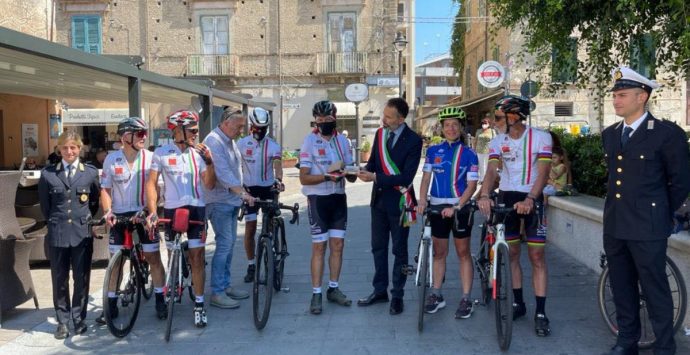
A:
(407, 218)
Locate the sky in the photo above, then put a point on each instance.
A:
(433, 26)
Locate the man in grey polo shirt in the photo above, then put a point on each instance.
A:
(223, 204)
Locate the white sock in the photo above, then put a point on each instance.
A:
(199, 299)
(251, 262)
(316, 289)
(111, 294)
(332, 284)
(158, 289)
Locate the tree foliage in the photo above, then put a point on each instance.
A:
(457, 42)
(606, 30)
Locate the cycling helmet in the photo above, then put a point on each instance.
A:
(324, 108)
(513, 104)
(182, 118)
(452, 112)
(260, 117)
(131, 124)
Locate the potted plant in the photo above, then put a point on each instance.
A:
(289, 159)
(365, 151)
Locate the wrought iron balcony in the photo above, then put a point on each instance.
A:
(342, 63)
(212, 65)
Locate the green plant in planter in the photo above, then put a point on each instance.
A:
(436, 140)
(288, 155)
(366, 147)
(587, 165)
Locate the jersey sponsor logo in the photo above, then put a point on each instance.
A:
(118, 160)
(172, 161)
(437, 160)
(322, 151)
(118, 170)
(250, 143)
(547, 148)
(474, 168)
(171, 151)
(318, 141)
(505, 149)
(441, 150)
(304, 155)
(249, 151)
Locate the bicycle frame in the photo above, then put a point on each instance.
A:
(500, 239)
(426, 236)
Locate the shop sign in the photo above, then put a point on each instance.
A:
(93, 117)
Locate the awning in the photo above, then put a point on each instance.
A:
(35, 67)
(484, 97)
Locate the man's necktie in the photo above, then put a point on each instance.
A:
(626, 135)
(389, 143)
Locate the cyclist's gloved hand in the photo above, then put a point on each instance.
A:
(110, 218)
(279, 185)
(152, 220)
(333, 178)
(205, 153)
(247, 198)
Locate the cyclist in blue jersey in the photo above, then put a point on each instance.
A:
(455, 170)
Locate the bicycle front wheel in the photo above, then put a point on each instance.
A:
(121, 280)
(262, 291)
(504, 297)
(484, 266)
(422, 280)
(280, 253)
(607, 307)
(172, 290)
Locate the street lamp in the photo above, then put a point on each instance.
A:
(400, 44)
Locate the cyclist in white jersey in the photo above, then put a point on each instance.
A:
(323, 156)
(526, 156)
(122, 195)
(261, 169)
(184, 167)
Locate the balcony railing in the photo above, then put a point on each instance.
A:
(342, 63)
(212, 65)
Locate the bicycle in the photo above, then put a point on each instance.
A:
(493, 266)
(179, 271)
(269, 267)
(127, 286)
(424, 273)
(608, 309)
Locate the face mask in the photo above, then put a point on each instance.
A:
(485, 125)
(259, 134)
(326, 128)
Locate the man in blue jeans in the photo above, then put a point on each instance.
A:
(223, 204)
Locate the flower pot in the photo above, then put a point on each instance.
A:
(289, 163)
(364, 156)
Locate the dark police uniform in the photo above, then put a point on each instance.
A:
(649, 178)
(68, 204)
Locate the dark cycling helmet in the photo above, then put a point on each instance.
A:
(259, 117)
(131, 124)
(513, 104)
(452, 112)
(182, 118)
(324, 108)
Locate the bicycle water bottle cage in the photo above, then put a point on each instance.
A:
(181, 220)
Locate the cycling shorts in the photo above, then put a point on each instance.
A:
(260, 192)
(196, 234)
(535, 229)
(327, 216)
(117, 236)
(459, 224)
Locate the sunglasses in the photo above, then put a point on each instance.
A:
(193, 130)
(141, 134)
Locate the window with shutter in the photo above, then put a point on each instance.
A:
(643, 56)
(87, 33)
(564, 63)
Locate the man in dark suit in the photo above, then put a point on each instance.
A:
(649, 178)
(69, 192)
(392, 167)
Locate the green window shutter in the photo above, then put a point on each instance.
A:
(86, 33)
(564, 63)
(643, 56)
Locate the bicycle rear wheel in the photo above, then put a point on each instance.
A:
(172, 290)
(121, 274)
(423, 272)
(607, 308)
(262, 291)
(504, 298)
(280, 253)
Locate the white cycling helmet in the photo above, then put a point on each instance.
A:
(260, 117)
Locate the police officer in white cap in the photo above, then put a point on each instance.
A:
(649, 178)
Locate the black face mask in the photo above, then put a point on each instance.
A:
(259, 134)
(326, 128)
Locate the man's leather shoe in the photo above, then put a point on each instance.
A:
(80, 328)
(61, 332)
(373, 298)
(620, 350)
(396, 306)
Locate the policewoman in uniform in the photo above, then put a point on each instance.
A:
(69, 193)
(648, 179)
